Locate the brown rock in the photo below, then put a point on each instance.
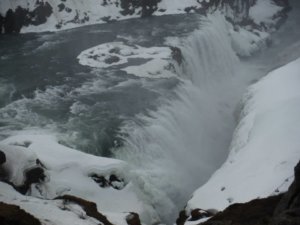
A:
(90, 208)
(133, 219)
(14, 215)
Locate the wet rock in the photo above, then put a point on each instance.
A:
(32, 176)
(2, 161)
(90, 208)
(177, 54)
(1, 23)
(13, 21)
(2, 157)
(111, 181)
(283, 209)
(14, 215)
(100, 180)
(112, 59)
(258, 212)
(182, 218)
(61, 7)
(288, 209)
(133, 219)
(198, 214)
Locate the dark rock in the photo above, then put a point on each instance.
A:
(32, 176)
(112, 59)
(133, 219)
(3, 173)
(283, 209)
(198, 214)
(115, 50)
(100, 180)
(255, 212)
(113, 181)
(14, 215)
(177, 54)
(90, 208)
(182, 218)
(288, 209)
(68, 10)
(2, 157)
(15, 20)
(1, 23)
(61, 7)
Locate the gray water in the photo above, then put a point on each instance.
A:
(41, 80)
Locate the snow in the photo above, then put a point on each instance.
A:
(158, 66)
(175, 6)
(263, 11)
(94, 10)
(78, 13)
(265, 147)
(68, 172)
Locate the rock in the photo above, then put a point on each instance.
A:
(2, 161)
(104, 182)
(133, 219)
(182, 218)
(255, 212)
(90, 208)
(1, 23)
(283, 209)
(112, 59)
(14, 215)
(2, 157)
(177, 55)
(32, 176)
(198, 214)
(288, 209)
(15, 20)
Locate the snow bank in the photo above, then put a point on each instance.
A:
(265, 147)
(68, 172)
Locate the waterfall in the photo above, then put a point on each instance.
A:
(175, 149)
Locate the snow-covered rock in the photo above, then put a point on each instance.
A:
(118, 53)
(106, 182)
(265, 147)
(51, 15)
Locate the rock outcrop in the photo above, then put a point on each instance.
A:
(14, 215)
(283, 209)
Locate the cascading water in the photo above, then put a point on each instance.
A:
(186, 139)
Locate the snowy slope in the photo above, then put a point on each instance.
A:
(265, 147)
(74, 13)
(68, 172)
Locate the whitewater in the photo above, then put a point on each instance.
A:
(174, 131)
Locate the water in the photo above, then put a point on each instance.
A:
(174, 132)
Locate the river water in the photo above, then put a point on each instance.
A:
(174, 132)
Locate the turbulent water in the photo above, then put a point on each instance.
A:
(173, 132)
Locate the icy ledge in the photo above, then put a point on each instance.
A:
(265, 146)
(59, 185)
